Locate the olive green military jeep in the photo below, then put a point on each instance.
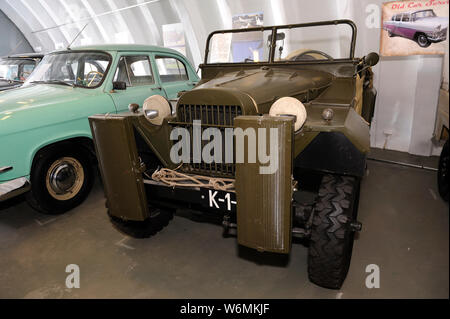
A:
(273, 140)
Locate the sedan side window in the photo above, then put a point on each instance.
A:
(26, 71)
(134, 71)
(171, 69)
(121, 74)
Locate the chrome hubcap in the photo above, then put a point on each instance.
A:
(65, 178)
(62, 178)
(422, 40)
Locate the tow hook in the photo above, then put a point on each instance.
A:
(355, 226)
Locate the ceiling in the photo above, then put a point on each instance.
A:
(54, 24)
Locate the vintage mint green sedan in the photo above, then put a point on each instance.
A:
(46, 146)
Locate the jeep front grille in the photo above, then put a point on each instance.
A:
(210, 115)
(220, 116)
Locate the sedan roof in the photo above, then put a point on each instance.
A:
(26, 56)
(123, 47)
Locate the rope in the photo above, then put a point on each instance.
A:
(174, 178)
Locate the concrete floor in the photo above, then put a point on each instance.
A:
(405, 232)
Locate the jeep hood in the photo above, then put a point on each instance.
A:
(266, 84)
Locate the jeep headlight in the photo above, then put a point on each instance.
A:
(290, 106)
(156, 108)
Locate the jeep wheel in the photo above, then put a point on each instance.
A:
(332, 231)
(443, 172)
(423, 41)
(158, 219)
(61, 178)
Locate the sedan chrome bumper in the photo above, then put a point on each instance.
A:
(13, 188)
(438, 36)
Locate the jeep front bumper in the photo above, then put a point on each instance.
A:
(13, 188)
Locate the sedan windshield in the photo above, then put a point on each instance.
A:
(16, 70)
(81, 69)
(424, 14)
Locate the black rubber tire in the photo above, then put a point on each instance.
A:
(39, 198)
(443, 172)
(159, 219)
(331, 243)
(390, 34)
(425, 44)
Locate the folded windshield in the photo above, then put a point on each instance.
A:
(82, 69)
(326, 41)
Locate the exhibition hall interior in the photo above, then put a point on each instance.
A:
(197, 149)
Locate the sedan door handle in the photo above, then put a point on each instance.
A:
(158, 88)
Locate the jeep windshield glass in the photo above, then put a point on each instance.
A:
(292, 44)
(81, 69)
(16, 70)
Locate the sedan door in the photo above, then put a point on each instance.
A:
(136, 72)
(397, 24)
(174, 75)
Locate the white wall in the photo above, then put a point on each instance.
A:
(407, 102)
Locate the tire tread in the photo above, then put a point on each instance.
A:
(331, 238)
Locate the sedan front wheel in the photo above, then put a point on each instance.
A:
(61, 179)
(423, 41)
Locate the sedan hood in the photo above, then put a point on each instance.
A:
(7, 85)
(433, 22)
(34, 96)
(34, 106)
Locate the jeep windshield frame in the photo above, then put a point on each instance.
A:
(273, 40)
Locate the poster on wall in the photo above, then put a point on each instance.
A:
(173, 37)
(414, 27)
(247, 46)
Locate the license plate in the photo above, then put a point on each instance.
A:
(220, 200)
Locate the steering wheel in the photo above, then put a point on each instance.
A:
(310, 53)
(93, 78)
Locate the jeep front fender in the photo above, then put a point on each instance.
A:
(338, 147)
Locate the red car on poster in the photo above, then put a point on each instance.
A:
(422, 26)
